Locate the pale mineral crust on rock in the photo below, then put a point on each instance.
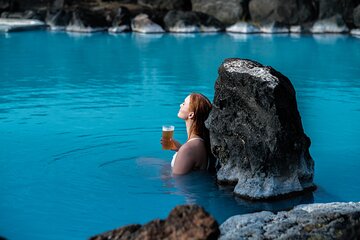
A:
(311, 221)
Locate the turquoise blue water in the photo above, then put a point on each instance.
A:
(81, 117)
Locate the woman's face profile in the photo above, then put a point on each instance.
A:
(184, 110)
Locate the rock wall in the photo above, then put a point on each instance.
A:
(258, 12)
(256, 132)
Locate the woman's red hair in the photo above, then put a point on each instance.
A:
(201, 106)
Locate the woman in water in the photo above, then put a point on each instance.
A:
(195, 153)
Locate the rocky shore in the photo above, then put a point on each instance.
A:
(188, 16)
(311, 221)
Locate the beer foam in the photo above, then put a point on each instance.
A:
(168, 128)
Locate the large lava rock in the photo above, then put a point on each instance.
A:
(283, 11)
(180, 21)
(167, 4)
(228, 12)
(183, 222)
(256, 132)
(356, 15)
(329, 8)
(313, 221)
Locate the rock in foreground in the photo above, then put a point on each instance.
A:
(311, 221)
(183, 222)
(256, 132)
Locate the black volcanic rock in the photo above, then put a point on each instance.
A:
(183, 222)
(329, 8)
(256, 132)
(167, 4)
(179, 21)
(89, 18)
(356, 16)
(284, 11)
(5, 5)
(228, 12)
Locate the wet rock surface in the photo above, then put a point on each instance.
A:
(311, 221)
(256, 132)
(183, 222)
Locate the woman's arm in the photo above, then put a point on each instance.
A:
(184, 161)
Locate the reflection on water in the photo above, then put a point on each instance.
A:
(81, 117)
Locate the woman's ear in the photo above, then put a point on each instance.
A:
(191, 115)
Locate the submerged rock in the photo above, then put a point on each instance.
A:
(334, 24)
(142, 23)
(183, 222)
(256, 132)
(311, 221)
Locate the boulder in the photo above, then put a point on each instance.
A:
(85, 20)
(120, 21)
(16, 25)
(256, 132)
(355, 32)
(333, 24)
(273, 27)
(329, 8)
(58, 20)
(284, 11)
(143, 24)
(228, 12)
(5, 5)
(122, 17)
(243, 27)
(183, 222)
(28, 14)
(356, 16)
(23, 5)
(180, 21)
(167, 4)
(312, 221)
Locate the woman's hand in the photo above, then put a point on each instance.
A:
(174, 145)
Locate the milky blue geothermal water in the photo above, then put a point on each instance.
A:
(81, 117)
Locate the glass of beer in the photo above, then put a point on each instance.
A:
(167, 134)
